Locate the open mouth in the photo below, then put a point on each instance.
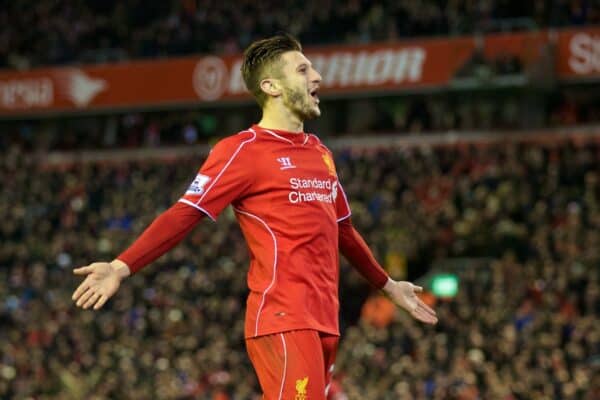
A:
(314, 94)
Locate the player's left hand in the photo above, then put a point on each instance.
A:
(404, 294)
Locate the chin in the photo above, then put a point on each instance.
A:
(313, 113)
(308, 114)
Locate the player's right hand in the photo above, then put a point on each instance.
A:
(102, 281)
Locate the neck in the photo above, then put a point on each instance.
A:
(278, 117)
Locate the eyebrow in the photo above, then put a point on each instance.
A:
(304, 64)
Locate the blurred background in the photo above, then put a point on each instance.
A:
(467, 136)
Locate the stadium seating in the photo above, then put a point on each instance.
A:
(528, 329)
(108, 30)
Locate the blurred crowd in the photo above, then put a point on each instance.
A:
(34, 33)
(417, 114)
(469, 111)
(524, 327)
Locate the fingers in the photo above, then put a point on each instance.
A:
(89, 297)
(81, 289)
(90, 292)
(85, 297)
(417, 289)
(93, 298)
(431, 316)
(429, 310)
(83, 270)
(423, 316)
(103, 299)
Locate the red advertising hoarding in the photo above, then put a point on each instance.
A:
(349, 69)
(578, 55)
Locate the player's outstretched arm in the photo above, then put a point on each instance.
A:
(101, 282)
(103, 279)
(404, 294)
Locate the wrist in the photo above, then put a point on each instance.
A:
(120, 268)
(388, 285)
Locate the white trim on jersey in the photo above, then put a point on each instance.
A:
(318, 140)
(344, 217)
(262, 302)
(347, 204)
(227, 164)
(196, 206)
(340, 185)
(284, 366)
(277, 136)
(325, 147)
(329, 376)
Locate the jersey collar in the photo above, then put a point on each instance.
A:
(286, 136)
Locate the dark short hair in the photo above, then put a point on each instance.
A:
(260, 56)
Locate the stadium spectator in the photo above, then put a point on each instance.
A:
(50, 33)
(400, 114)
(532, 209)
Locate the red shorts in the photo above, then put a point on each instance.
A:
(294, 365)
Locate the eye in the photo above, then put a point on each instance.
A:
(302, 70)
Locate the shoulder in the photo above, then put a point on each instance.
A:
(319, 143)
(234, 143)
(237, 139)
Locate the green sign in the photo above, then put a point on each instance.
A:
(444, 285)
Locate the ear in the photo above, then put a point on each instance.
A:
(271, 86)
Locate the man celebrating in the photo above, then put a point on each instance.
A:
(295, 217)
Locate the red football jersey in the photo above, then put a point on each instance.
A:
(286, 196)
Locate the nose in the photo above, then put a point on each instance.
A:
(316, 76)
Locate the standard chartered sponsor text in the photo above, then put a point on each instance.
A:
(297, 195)
(314, 183)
